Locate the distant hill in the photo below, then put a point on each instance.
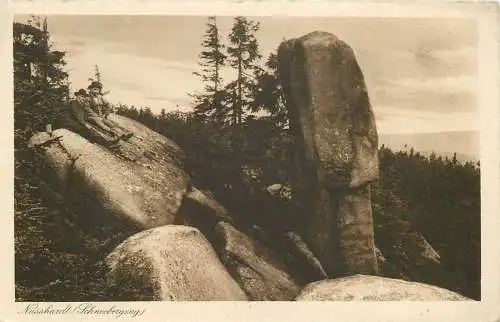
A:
(465, 144)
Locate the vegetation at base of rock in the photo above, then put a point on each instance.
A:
(58, 255)
(437, 197)
(59, 260)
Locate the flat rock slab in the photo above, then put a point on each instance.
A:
(331, 118)
(146, 193)
(147, 145)
(259, 272)
(373, 288)
(171, 263)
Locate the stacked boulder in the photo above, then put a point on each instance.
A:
(335, 146)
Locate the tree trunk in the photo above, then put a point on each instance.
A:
(240, 77)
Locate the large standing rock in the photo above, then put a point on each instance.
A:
(172, 263)
(335, 146)
(259, 272)
(146, 192)
(332, 116)
(342, 233)
(373, 288)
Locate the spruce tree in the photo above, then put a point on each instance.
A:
(269, 95)
(244, 56)
(98, 78)
(40, 82)
(209, 102)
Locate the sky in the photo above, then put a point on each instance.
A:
(421, 73)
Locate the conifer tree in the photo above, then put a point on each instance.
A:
(40, 82)
(212, 58)
(98, 78)
(269, 95)
(244, 56)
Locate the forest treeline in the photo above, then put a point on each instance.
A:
(236, 143)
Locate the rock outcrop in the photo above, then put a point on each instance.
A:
(172, 263)
(202, 211)
(335, 147)
(330, 109)
(142, 182)
(258, 271)
(374, 288)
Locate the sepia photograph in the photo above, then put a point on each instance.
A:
(246, 158)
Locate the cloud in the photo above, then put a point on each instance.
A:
(133, 79)
(393, 119)
(180, 66)
(445, 62)
(443, 95)
(461, 83)
(418, 62)
(123, 84)
(456, 54)
(77, 43)
(158, 98)
(182, 101)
